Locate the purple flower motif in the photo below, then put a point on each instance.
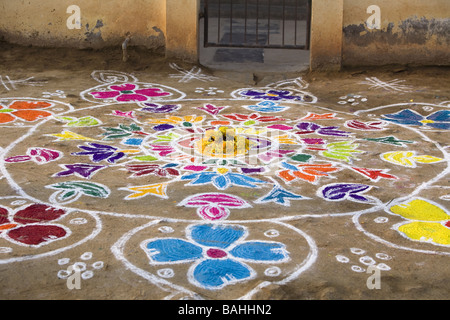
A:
(273, 95)
(163, 127)
(252, 170)
(342, 191)
(100, 152)
(308, 127)
(157, 108)
(79, 169)
(129, 92)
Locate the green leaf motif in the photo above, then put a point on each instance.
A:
(167, 138)
(120, 132)
(72, 190)
(145, 158)
(87, 121)
(389, 140)
(343, 150)
(301, 157)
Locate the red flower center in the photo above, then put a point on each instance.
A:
(216, 253)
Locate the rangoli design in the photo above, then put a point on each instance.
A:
(217, 181)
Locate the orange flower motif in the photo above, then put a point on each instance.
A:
(316, 116)
(307, 172)
(24, 110)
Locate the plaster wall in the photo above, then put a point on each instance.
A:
(102, 23)
(182, 27)
(411, 32)
(326, 34)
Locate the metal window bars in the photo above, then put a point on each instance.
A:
(257, 23)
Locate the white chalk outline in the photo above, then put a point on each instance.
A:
(118, 246)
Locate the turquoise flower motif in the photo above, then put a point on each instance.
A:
(219, 253)
(222, 180)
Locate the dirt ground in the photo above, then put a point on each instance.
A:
(105, 193)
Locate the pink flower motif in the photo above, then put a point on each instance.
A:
(129, 114)
(280, 127)
(211, 109)
(365, 126)
(252, 118)
(38, 155)
(129, 92)
(214, 206)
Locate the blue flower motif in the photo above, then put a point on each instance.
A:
(281, 196)
(439, 119)
(133, 141)
(222, 181)
(219, 253)
(267, 106)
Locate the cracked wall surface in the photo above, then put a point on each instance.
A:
(102, 23)
(411, 32)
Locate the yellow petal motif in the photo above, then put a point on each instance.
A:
(252, 131)
(176, 120)
(408, 158)
(222, 170)
(173, 120)
(68, 135)
(285, 139)
(158, 190)
(420, 210)
(427, 159)
(427, 232)
(403, 158)
(431, 226)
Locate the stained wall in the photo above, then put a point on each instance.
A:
(411, 32)
(102, 23)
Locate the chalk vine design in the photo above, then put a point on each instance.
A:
(217, 175)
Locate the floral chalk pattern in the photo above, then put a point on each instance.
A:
(437, 120)
(214, 206)
(425, 222)
(219, 254)
(212, 183)
(33, 225)
(129, 92)
(28, 111)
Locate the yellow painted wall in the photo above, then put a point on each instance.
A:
(182, 29)
(412, 32)
(103, 23)
(326, 34)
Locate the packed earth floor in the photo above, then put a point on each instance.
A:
(117, 180)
